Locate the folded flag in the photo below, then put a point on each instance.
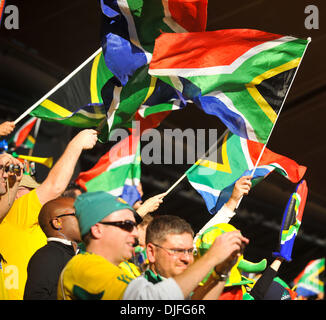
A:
(118, 168)
(21, 135)
(241, 76)
(311, 280)
(291, 221)
(130, 27)
(214, 176)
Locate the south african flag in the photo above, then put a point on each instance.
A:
(240, 75)
(79, 102)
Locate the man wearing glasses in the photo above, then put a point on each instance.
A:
(169, 242)
(9, 181)
(58, 221)
(108, 229)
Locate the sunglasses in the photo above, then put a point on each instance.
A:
(126, 225)
(60, 216)
(65, 215)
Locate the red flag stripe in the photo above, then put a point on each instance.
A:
(191, 14)
(220, 48)
(295, 172)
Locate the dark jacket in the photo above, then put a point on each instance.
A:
(44, 270)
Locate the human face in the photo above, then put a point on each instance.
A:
(64, 213)
(118, 243)
(164, 261)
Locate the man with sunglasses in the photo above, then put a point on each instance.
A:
(20, 233)
(108, 229)
(9, 182)
(58, 221)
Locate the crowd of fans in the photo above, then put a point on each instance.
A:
(59, 242)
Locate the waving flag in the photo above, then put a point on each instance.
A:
(79, 102)
(142, 97)
(117, 172)
(130, 28)
(291, 222)
(311, 280)
(241, 76)
(214, 176)
(22, 134)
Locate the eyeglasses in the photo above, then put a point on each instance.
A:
(60, 216)
(63, 215)
(176, 252)
(127, 225)
(66, 215)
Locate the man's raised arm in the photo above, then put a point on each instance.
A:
(59, 176)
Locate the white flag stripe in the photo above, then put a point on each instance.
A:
(228, 102)
(205, 188)
(122, 161)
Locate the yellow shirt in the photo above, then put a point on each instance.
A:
(20, 237)
(3, 290)
(131, 269)
(88, 276)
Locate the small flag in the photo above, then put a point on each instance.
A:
(311, 280)
(291, 222)
(22, 133)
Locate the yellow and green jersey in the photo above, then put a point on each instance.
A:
(88, 276)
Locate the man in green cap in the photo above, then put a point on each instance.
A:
(108, 229)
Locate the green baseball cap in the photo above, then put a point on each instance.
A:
(92, 207)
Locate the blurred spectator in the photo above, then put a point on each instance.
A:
(58, 221)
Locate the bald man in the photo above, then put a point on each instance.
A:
(58, 221)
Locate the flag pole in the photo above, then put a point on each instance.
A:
(204, 155)
(59, 85)
(270, 133)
